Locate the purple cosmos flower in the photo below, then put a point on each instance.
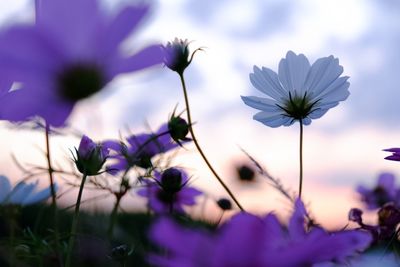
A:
(247, 240)
(23, 193)
(90, 157)
(385, 191)
(169, 192)
(395, 154)
(140, 149)
(70, 53)
(298, 91)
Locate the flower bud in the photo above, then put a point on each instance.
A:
(90, 157)
(178, 129)
(171, 180)
(176, 55)
(224, 204)
(355, 215)
(245, 173)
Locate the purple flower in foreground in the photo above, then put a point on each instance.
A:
(247, 240)
(140, 149)
(70, 53)
(385, 191)
(90, 157)
(23, 193)
(169, 191)
(395, 154)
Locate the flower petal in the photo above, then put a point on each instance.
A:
(293, 71)
(74, 24)
(119, 28)
(147, 57)
(322, 74)
(272, 119)
(5, 188)
(267, 82)
(260, 103)
(40, 196)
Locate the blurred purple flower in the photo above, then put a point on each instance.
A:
(385, 191)
(247, 240)
(298, 91)
(169, 192)
(140, 149)
(395, 154)
(70, 53)
(90, 157)
(388, 220)
(23, 193)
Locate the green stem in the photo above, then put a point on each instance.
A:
(53, 195)
(75, 223)
(199, 148)
(301, 157)
(113, 218)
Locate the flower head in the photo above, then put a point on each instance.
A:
(385, 191)
(298, 92)
(23, 193)
(140, 149)
(169, 191)
(178, 129)
(70, 53)
(90, 157)
(248, 240)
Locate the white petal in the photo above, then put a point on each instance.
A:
(5, 188)
(293, 71)
(20, 192)
(39, 196)
(337, 91)
(318, 113)
(260, 103)
(271, 119)
(306, 121)
(322, 74)
(267, 82)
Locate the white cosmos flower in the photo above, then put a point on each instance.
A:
(299, 91)
(23, 193)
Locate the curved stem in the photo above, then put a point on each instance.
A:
(75, 223)
(199, 148)
(53, 193)
(301, 158)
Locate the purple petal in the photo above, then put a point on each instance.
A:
(145, 58)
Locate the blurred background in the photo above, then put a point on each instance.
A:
(341, 150)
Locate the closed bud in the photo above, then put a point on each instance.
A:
(171, 180)
(90, 157)
(178, 129)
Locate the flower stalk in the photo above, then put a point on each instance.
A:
(75, 223)
(53, 193)
(301, 159)
(198, 146)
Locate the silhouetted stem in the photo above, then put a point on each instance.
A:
(199, 148)
(75, 223)
(53, 193)
(301, 158)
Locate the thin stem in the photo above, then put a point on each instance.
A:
(53, 193)
(113, 218)
(199, 148)
(301, 158)
(74, 223)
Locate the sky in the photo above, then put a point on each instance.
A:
(341, 150)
